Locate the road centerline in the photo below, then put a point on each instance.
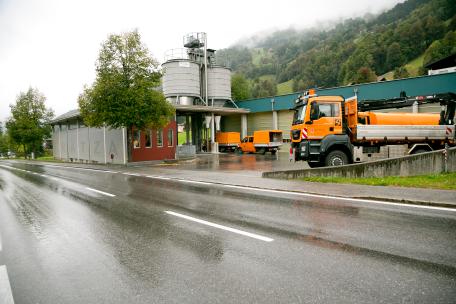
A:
(226, 228)
(6, 296)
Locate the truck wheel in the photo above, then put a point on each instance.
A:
(336, 158)
(263, 151)
(273, 152)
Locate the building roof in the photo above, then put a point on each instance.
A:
(449, 61)
(70, 114)
(209, 109)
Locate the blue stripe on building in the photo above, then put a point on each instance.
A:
(423, 85)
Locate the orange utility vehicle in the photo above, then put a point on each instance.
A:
(228, 141)
(332, 131)
(262, 141)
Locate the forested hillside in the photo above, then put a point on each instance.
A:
(401, 41)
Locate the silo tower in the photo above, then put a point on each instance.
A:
(200, 89)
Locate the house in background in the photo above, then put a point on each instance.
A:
(73, 141)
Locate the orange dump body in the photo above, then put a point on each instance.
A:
(396, 118)
(228, 138)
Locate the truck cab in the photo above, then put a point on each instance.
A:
(318, 126)
(246, 145)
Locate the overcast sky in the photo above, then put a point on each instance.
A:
(53, 45)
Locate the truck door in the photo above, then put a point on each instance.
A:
(247, 144)
(326, 119)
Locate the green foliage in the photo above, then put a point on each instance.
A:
(436, 181)
(285, 87)
(124, 93)
(264, 88)
(364, 74)
(240, 87)
(4, 143)
(29, 124)
(441, 48)
(326, 58)
(394, 56)
(401, 72)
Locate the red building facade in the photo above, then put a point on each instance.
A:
(154, 144)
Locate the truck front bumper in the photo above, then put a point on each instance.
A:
(301, 150)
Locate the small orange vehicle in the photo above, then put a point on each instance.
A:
(228, 141)
(262, 141)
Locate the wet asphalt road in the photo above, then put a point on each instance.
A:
(62, 242)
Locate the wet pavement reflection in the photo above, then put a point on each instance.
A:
(63, 244)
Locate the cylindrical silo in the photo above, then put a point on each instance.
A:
(181, 81)
(218, 85)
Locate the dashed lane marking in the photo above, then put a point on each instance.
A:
(6, 296)
(226, 228)
(101, 192)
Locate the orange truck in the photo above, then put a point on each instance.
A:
(262, 141)
(332, 130)
(228, 141)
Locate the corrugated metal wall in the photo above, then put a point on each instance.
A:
(87, 144)
(259, 121)
(231, 123)
(285, 118)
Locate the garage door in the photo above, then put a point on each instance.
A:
(259, 121)
(285, 118)
(231, 123)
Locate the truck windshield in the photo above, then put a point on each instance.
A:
(299, 114)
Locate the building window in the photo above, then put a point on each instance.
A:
(136, 139)
(148, 135)
(170, 137)
(159, 138)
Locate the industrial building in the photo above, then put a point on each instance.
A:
(276, 112)
(199, 88)
(75, 142)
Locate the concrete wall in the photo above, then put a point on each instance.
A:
(425, 163)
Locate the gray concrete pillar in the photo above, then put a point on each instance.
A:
(243, 126)
(187, 129)
(275, 121)
(415, 107)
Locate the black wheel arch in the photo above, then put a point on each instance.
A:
(337, 142)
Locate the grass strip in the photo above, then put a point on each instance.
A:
(446, 181)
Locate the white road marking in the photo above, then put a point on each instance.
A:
(348, 199)
(6, 296)
(132, 174)
(101, 192)
(245, 233)
(159, 177)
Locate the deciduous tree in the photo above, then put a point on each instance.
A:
(240, 87)
(125, 93)
(29, 124)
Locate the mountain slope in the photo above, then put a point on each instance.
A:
(354, 51)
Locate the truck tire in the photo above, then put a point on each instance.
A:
(336, 158)
(273, 152)
(263, 151)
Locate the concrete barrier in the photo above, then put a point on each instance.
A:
(419, 164)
